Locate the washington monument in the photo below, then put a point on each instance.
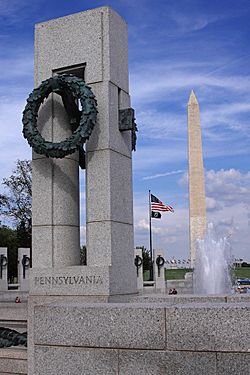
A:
(197, 202)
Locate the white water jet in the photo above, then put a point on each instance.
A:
(212, 265)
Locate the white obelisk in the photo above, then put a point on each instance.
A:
(197, 199)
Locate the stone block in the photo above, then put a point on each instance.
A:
(13, 311)
(80, 35)
(77, 361)
(233, 363)
(233, 318)
(116, 51)
(41, 191)
(71, 281)
(106, 133)
(66, 192)
(171, 363)
(96, 38)
(42, 240)
(100, 326)
(55, 201)
(66, 246)
(206, 327)
(142, 362)
(109, 182)
(13, 361)
(111, 244)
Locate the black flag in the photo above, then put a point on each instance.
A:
(155, 215)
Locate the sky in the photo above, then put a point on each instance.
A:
(174, 47)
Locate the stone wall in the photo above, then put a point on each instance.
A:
(145, 337)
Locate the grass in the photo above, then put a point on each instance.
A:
(242, 272)
(177, 274)
(171, 274)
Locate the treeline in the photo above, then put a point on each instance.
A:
(15, 213)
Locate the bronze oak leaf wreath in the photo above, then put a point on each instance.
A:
(69, 87)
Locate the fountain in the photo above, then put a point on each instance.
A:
(213, 264)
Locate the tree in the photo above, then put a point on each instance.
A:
(16, 203)
(146, 258)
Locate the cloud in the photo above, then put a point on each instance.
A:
(228, 187)
(153, 81)
(144, 226)
(15, 11)
(163, 174)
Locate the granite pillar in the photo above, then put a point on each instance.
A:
(4, 269)
(139, 269)
(159, 271)
(92, 44)
(23, 268)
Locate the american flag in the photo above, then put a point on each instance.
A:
(157, 205)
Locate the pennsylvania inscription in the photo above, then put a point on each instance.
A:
(68, 280)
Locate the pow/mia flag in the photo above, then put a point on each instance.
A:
(155, 215)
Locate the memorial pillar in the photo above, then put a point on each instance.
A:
(159, 271)
(3, 269)
(139, 269)
(23, 268)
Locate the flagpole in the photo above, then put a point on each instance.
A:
(150, 237)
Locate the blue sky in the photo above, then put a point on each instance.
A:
(174, 46)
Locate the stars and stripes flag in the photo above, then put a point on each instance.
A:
(157, 205)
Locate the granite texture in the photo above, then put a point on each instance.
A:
(109, 187)
(233, 363)
(164, 362)
(106, 133)
(42, 247)
(122, 272)
(66, 246)
(100, 325)
(66, 192)
(13, 361)
(80, 35)
(72, 281)
(42, 190)
(77, 361)
(10, 311)
(111, 244)
(115, 50)
(208, 327)
(97, 37)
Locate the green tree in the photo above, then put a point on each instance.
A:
(15, 204)
(145, 257)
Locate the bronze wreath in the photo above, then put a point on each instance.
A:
(82, 122)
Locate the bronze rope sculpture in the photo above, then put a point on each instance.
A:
(70, 88)
(10, 337)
